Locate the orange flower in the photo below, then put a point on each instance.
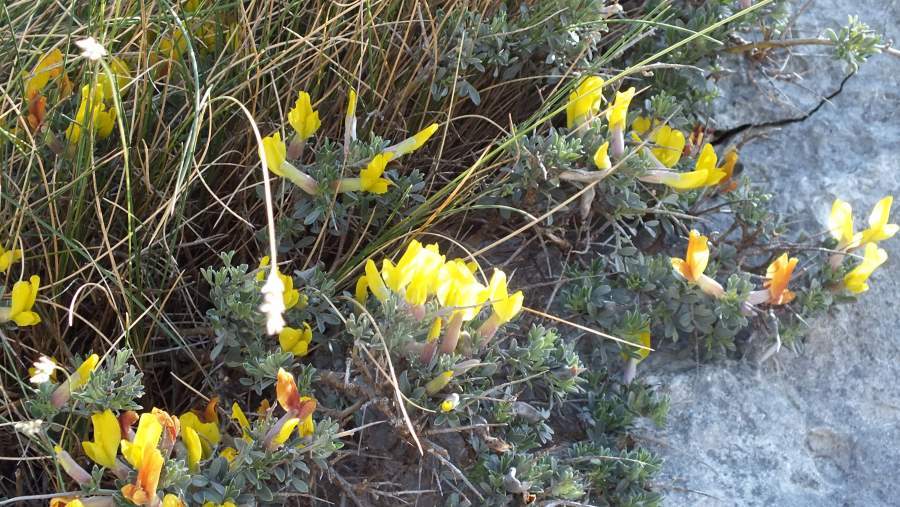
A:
(289, 397)
(37, 111)
(728, 184)
(143, 491)
(694, 263)
(126, 421)
(777, 277)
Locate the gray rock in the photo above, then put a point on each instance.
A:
(823, 427)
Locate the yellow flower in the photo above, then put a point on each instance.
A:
(307, 426)
(207, 431)
(855, 280)
(194, 448)
(361, 294)
(450, 403)
(375, 282)
(728, 184)
(147, 437)
(370, 177)
(302, 117)
(23, 297)
(601, 157)
(617, 113)
(121, 74)
(8, 257)
(641, 124)
(840, 225)
(295, 341)
(93, 113)
(879, 229)
(48, 67)
(171, 500)
(642, 338)
(505, 306)
(291, 295)
(456, 287)
(66, 501)
(289, 397)
(83, 373)
(413, 143)
(679, 181)
(275, 152)
(226, 503)
(669, 145)
(143, 491)
(778, 275)
(238, 415)
(584, 102)
(437, 383)
(107, 434)
(351, 103)
(707, 162)
(284, 432)
(696, 258)
(435, 330)
(76, 381)
(229, 453)
(693, 265)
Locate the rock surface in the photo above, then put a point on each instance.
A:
(823, 427)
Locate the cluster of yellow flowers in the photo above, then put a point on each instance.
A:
(96, 111)
(193, 436)
(424, 274)
(840, 225)
(305, 122)
(667, 144)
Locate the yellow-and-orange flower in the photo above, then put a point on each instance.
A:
(143, 490)
(693, 265)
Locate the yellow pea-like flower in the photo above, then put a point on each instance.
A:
(778, 274)
(302, 118)
(370, 177)
(669, 145)
(696, 258)
(306, 427)
(275, 151)
(8, 257)
(376, 283)
(143, 490)
(840, 225)
(619, 111)
(361, 293)
(23, 297)
(601, 157)
(641, 124)
(684, 181)
(107, 434)
(194, 448)
(855, 280)
(505, 306)
(295, 341)
(285, 431)
(413, 143)
(707, 162)
(879, 229)
(584, 102)
(207, 431)
(147, 436)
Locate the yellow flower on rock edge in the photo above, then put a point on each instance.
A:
(107, 434)
(584, 102)
(778, 274)
(295, 341)
(707, 162)
(147, 436)
(23, 297)
(370, 177)
(302, 118)
(855, 280)
(8, 257)
(879, 229)
(840, 225)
